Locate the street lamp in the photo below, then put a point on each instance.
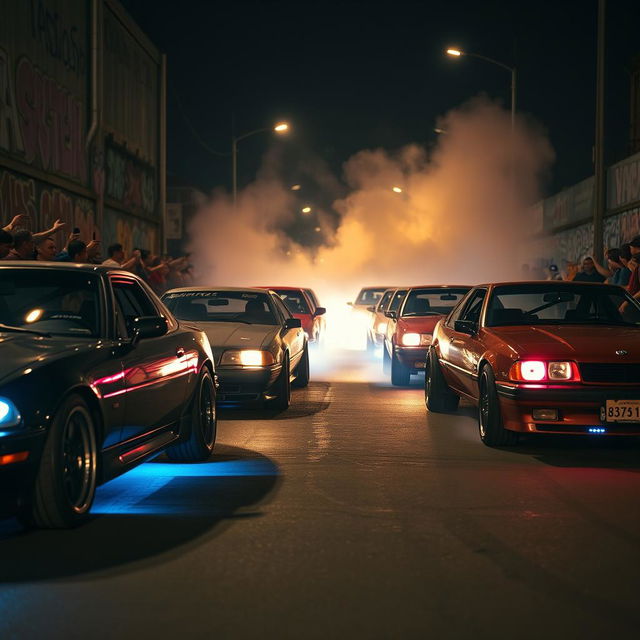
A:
(279, 128)
(457, 53)
(306, 210)
(396, 189)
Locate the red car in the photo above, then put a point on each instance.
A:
(411, 324)
(540, 357)
(301, 306)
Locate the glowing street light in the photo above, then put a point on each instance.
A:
(454, 52)
(279, 128)
(397, 189)
(295, 187)
(306, 209)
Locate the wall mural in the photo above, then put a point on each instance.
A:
(130, 232)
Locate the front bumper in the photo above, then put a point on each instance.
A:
(413, 358)
(246, 384)
(578, 408)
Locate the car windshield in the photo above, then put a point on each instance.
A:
(573, 304)
(247, 307)
(397, 299)
(432, 302)
(371, 296)
(293, 300)
(384, 301)
(51, 301)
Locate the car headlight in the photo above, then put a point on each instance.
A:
(382, 327)
(247, 358)
(416, 339)
(9, 414)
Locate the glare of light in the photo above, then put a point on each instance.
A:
(454, 52)
(281, 127)
(251, 358)
(382, 327)
(27, 371)
(318, 229)
(397, 189)
(596, 430)
(306, 210)
(533, 370)
(439, 130)
(295, 187)
(411, 339)
(33, 315)
(4, 410)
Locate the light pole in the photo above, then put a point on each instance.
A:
(456, 53)
(280, 128)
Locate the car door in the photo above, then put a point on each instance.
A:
(293, 338)
(394, 306)
(463, 348)
(156, 370)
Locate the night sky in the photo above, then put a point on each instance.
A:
(352, 76)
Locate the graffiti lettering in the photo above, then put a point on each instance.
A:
(626, 183)
(130, 182)
(60, 41)
(10, 134)
(17, 196)
(52, 122)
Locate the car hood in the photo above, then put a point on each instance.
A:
(22, 351)
(229, 335)
(572, 342)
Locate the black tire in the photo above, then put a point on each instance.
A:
(282, 389)
(66, 481)
(400, 373)
(492, 433)
(302, 370)
(386, 360)
(204, 423)
(438, 396)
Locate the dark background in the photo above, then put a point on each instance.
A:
(351, 76)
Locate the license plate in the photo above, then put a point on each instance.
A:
(622, 411)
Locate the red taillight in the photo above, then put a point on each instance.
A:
(541, 371)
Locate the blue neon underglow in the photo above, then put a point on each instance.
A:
(140, 491)
(597, 430)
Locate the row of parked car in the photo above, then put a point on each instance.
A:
(97, 375)
(534, 357)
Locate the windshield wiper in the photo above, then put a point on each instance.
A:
(8, 327)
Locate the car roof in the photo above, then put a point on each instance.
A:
(200, 289)
(550, 283)
(63, 266)
(441, 286)
(286, 288)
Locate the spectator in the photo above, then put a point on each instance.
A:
(76, 252)
(45, 249)
(22, 246)
(588, 272)
(116, 257)
(6, 241)
(634, 281)
(553, 273)
(572, 270)
(619, 273)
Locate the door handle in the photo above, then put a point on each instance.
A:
(179, 352)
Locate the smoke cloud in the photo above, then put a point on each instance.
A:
(460, 218)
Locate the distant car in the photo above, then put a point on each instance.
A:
(301, 306)
(391, 314)
(96, 376)
(368, 297)
(540, 357)
(378, 320)
(259, 348)
(416, 317)
(311, 294)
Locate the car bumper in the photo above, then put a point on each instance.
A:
(578, 409)
(246, 384)
(413, 358)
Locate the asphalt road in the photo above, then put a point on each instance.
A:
(352, 515)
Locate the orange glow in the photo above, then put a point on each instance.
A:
(397, 189)
(10, 458)
(281, 127)
(454, 52)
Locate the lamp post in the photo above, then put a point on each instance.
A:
(280, 128)
(456, 53)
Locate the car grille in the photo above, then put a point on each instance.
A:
(610, 372)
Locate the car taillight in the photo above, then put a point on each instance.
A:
(541, 371)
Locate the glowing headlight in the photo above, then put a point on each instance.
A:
(9, 414)
(247, 358)
(382, 327)
(416, 339)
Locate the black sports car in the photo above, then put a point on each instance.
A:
(260, 349)
(96, 376)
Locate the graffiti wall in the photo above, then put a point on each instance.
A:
(43, 85)
(43, 204)
(130, 232)
(624, 183)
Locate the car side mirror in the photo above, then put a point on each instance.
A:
(148, 327)
(466, 326)
(390, 314)
(350, 304)
(320, 311)
(292, 323)
(372, 309)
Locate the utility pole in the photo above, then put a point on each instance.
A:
(599, 168)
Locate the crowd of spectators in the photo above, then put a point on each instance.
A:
(160, 272)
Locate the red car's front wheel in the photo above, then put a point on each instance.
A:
(492, 432)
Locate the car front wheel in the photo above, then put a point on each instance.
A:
(400, 373)
(438, 396)
(492, 432)
(282, 389)
(66, 481)
(302, 370)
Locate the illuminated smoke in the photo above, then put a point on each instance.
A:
(459, 218)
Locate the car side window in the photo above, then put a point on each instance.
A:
(132, 302)
(473, 308)
(457, 311)
(284, 312)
